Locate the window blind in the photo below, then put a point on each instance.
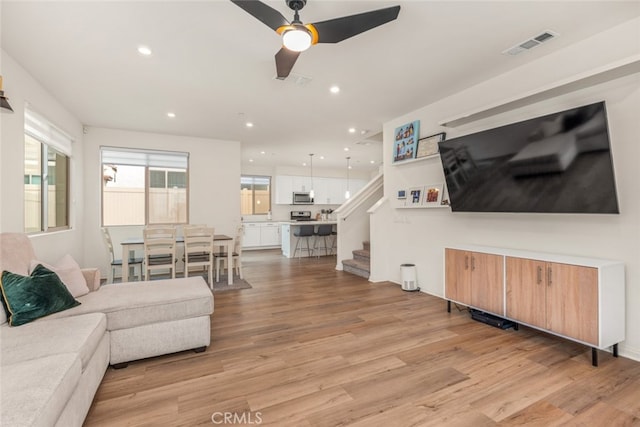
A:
(151, 158)
(41, 129)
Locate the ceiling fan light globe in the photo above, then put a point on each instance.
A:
(297, 39)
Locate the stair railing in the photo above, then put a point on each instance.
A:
(353, 219)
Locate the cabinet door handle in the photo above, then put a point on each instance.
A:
(473, 263)
(539, 275)
(549, 276)
(466, 262)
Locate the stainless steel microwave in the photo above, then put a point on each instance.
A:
(302, 198)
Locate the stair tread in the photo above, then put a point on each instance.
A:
(362, 252)
(362, 265)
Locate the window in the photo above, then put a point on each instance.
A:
(255, 195)
(141, 187)
(46, 175)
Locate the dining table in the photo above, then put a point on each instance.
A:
(219, 240)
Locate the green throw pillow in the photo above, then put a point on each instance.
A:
(27, 298)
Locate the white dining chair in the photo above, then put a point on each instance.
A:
(116, 262)
(159, 249)
(221, 257)
(198, 249)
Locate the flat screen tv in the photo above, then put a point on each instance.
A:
(558, 163)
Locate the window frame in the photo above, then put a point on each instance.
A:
(253, 193)
(48, 137)
(147, 182)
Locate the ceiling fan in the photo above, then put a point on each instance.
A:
(298, 37)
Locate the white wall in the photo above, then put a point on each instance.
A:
(21, 88)
(214, 183)
(419, 235)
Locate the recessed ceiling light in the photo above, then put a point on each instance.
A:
(346, 148)
(372, 162)
(334, 89)
(249, 124)
(304, 164)
(171, 114)
(352, 130)
(262, 152)
(350, 167)
(144, 50)
(250, 160)
(321, 157)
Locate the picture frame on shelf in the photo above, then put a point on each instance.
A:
(428, 146)
(414, 197)
(406, 141)
(402, 195)
(433, 195)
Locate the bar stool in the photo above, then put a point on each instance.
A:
(334, 244)
(324, 231)
(303, 232)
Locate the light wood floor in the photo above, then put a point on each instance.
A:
(311, 346)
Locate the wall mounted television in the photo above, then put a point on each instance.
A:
(558, 163)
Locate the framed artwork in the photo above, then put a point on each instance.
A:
(402, 194)
(428, 146)
(433, 195)
(414, 197)
(406, 141)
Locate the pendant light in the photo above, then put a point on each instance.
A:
(4, 102)
(347, 194)
(311, 193)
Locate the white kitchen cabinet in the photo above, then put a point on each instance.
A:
(284, 190)
(270, 234)
(261, 235)
(301, 183)
(251, 236)
(327, 191)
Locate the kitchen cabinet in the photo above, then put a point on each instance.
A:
(251, 235)
(327, 191)
(270, 234)
(475, 279)
(261, 235)
(577, 298)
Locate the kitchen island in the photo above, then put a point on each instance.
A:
(289, 240)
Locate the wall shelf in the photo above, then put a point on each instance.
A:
(406, 162)
(615, 70)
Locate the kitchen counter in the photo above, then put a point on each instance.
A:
(289, 240)
(333, 222)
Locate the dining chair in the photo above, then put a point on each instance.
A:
(198, 249)
(221, 257)
(159, 249)
(115, 262)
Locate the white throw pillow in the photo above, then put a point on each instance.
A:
(69, 272)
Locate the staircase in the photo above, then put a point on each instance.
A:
(360, 265)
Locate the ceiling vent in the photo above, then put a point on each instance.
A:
(296, 79)
(531, 43)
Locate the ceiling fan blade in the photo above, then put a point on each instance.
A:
(265, 14)
(285, 59)
(336, 30)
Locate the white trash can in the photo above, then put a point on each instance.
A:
(408, 274)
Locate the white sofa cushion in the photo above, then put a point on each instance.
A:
(36, 391)
(46, 336)
(128, 305)
(69, 272)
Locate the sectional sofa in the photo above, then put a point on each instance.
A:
(51, 368)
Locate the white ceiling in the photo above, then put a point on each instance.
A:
(213, 65)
